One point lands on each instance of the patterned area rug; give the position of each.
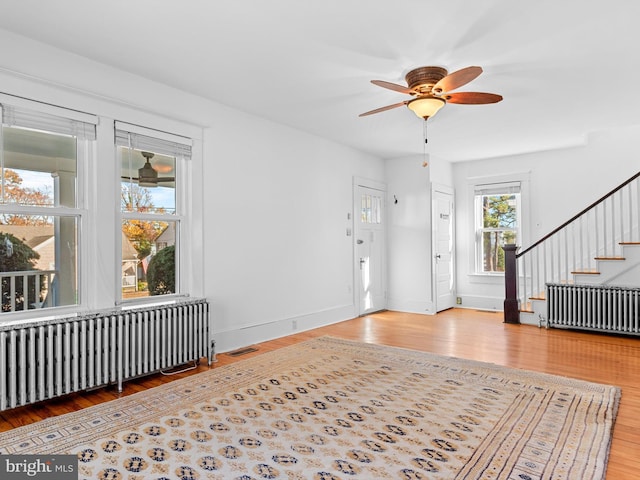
(332, 409)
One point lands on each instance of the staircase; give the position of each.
(597, 247)
(623, 271)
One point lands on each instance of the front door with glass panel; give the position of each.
(370, 249)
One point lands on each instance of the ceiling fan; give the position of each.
(147, 175)
(431, 87)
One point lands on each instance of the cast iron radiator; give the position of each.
(594, 307)
(44, 359)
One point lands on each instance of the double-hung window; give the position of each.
(497, 219)
(44, 151)
(151, 208)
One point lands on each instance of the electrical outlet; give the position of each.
(294, 324)
(459, 300)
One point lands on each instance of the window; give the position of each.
(497, 220)
(41, 205)
(371, 208)
(150, 165)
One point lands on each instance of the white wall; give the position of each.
(270, 203)
(561, 184)
(409, 231)
(408, 235)
(276, 215)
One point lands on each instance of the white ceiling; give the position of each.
(564, 67)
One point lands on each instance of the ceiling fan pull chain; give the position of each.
(424, 145)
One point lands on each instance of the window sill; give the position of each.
(488, 278)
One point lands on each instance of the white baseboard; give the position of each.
(233, 339)
(411, 306)
(493, 304)
(525, 320)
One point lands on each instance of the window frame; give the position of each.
(476, 183)
(34, 115)
(481, 230)
(146, 137)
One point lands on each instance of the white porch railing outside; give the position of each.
(41, 279)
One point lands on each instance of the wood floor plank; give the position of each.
(476, 335)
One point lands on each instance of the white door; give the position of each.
(370, 251)
(443, 248)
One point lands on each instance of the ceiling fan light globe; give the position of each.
(425, 107)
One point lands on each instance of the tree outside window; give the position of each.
(148, 221)
(497, 219)
(150, 210)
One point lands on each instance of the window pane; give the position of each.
(38, 262)
(148, 258)
(492, 251)
(35, 165)
(365, 208)
(148, 182)
(371, 209)
(500, 211)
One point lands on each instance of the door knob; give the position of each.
(359, 242)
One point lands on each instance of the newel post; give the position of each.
(511, 307)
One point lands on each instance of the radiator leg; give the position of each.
(212, 353)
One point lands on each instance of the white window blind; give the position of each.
(13, 116)
(163, 143)
(504, 188)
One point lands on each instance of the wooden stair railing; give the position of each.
(596, 233)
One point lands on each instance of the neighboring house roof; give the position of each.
(31, 235)
(35, 242)
(128, 251)
(35, 236)
(168, 235)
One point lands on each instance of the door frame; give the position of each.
(447, 190)
(374, 185)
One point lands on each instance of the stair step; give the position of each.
(629, 243)
(526, 308)
(586, 272)
(611, 258)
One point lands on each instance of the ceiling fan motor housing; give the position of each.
(424, 78)
(147, 173)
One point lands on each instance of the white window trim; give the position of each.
(99, 193)
(34, 111)
(179, 217)
(524, 220)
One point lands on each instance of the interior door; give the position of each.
(370, 257)
(442, 199)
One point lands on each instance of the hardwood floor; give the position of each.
(469, 334)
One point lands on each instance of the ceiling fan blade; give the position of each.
(456, 79)
(382, 109)
(150, 180)
(472, 98)
(392, 86)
